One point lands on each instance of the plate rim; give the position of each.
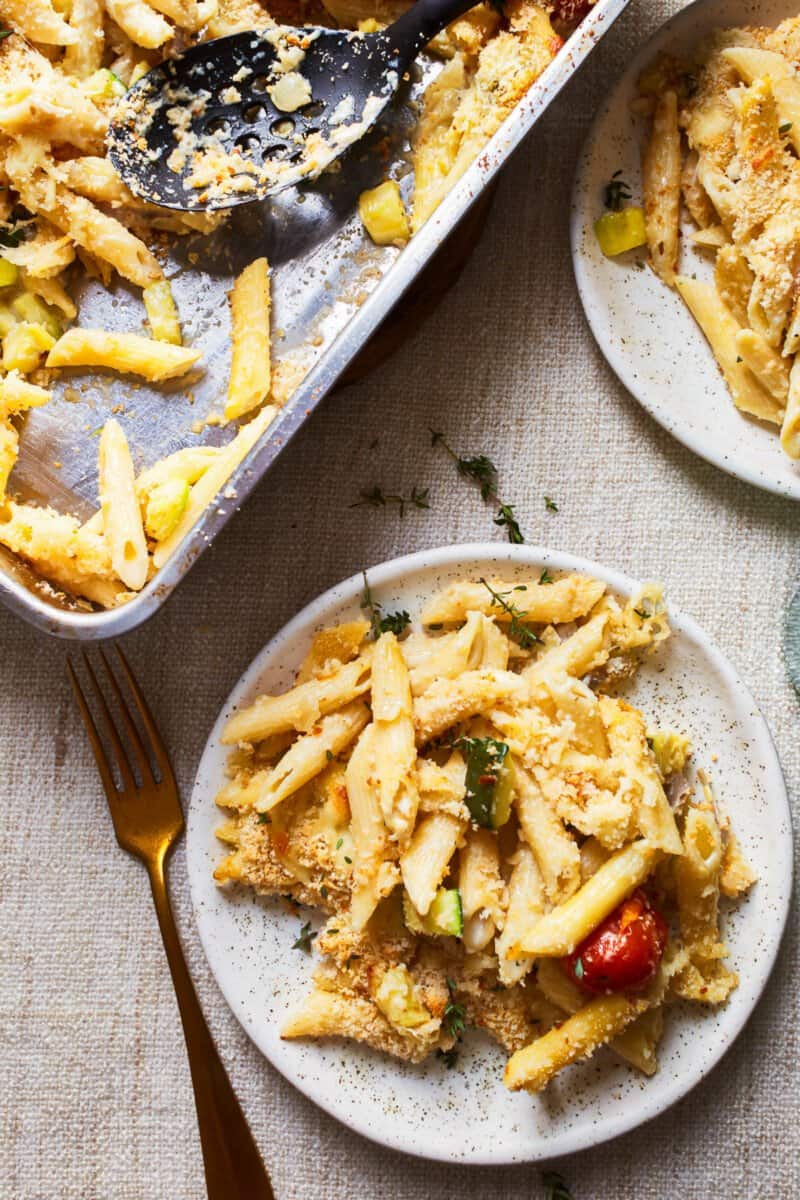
(622, 367)
(382, 574)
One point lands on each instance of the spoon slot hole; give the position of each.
(259, 85)
(283, 127)
(249, 144)
(254, 112)
(217, 125)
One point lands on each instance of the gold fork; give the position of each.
(148, 821)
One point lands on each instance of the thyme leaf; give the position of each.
(380, 622)
(305, 939)
(480, 469)
(518, 631)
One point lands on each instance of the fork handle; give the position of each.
(233, 1166)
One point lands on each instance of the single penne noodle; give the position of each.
(526, 906)
(627, 736)
(583, 651)
(17, 395)
(574, 700)
(661, 180)
(483, 898)
(721, 329)
(128, 352)
(250, 375)
(790, 429)
(300, 707)
(394, 745)
(695, 195)
(734, 279)
(187, 465)
(85, 55)
(592, 1026)
(425, 861)
(332, 1014)
(555, 850)
(38, 20)
(143, 25)
(561, 930)
(769, 368)
(122, 518)
(636, 1044)
(697, 874)
(9, 450)
(566, 599)
(448, 702)
(374, 876)
(213, 481)
(311, 753)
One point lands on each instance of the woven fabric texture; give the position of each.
(97, 1101)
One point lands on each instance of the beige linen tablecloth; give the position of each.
(97, 1102)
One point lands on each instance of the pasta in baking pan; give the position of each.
(494, 835)
(65, 213)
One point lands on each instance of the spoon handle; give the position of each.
(423, 21)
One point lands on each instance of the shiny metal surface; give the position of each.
(331, 289)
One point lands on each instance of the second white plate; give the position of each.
(642, 327)
(466, 1115)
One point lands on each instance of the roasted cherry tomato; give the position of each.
(622, 954)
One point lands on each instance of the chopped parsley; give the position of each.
(616, 191)
(380, 622)
(305, 939)
(518, 631)
(481, 470)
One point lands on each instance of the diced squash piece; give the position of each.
(23, 347)
(165, 507)
(617, 232)
(383, 215)
(162, 313)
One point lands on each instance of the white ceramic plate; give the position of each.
(642, 327)
(466, 1115)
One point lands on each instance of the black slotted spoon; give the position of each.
(203, 130)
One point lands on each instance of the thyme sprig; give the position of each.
(381, 622)
(555, 1186)
(455, 1015)
(481, 470)
(518, 631)
(376, 498)
(616, 191)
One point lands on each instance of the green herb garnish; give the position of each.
(642, 614)
(489, 781)
(263, 819)
(380, 622)
(518, 631)
(616, 191)
(455, 1015)
(481, 470)
(555, 1186)
(449, 1057)
(377, 498)
(784, 129)
(305, 939)
(550, 505)
(546, 577)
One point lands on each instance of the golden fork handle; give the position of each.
(233, 1166)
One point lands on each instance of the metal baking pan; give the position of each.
(331, 290)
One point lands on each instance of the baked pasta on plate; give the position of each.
(487, 813)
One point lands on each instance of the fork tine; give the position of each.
(128, 782)
(142, 759)
(93, 735)
(156, 742)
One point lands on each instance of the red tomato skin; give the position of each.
(623, 953)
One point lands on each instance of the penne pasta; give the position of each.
(661, 178)
(123, 352)
(122, 519)
(250, 365)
